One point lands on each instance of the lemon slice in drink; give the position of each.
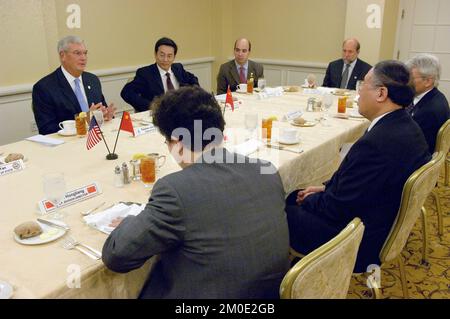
(82, 115)
(138, 156)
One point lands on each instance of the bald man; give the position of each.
(238, 70)
(345, 72)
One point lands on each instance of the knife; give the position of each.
(47, 222)
(282, 148)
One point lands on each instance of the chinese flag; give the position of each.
(126, 124)
(229, 99)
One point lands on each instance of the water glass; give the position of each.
(54, 187)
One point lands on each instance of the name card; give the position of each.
(144, 130)
(72, 197)
(292, 115)
(11, 167)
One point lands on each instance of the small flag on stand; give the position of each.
(94, 134)
(126, 124)
(229, 99)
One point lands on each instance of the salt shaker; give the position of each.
(125, 173)
(118, 178)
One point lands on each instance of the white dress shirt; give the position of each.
(71, 79)
(174, 80)
(245, 66)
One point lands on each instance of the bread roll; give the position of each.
(13, 157)
(28, 230)
(299, 120)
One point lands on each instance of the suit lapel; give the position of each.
(88, 89)
(234, 72)
(155, 77)
(66, 89)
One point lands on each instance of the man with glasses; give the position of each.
(369, 181)
(68, 90)
(240, 69)
(218, 225)
(158, 78)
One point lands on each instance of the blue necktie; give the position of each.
(80, 97)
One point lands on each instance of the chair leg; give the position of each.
(435, 194)
(401, 267)
(425, 236)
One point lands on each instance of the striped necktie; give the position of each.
(345, 77)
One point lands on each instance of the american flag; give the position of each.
(94, 134)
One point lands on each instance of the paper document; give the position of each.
(45, 140)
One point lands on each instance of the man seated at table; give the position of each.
(430, 107)
(218, 224)
(156, 79)
(345, 72)
(240, 69)
(369, 181)
(68, 90)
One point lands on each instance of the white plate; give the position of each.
(356, 114)
(6, 290)
(49, 234)
(64, 133)
(341, 115)
(306, 124)
(281, 141)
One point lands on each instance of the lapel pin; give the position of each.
(89, 87)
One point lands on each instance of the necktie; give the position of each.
(242, 78)
(410, 108)
(170, 86)
(80, 97)
(345, 77)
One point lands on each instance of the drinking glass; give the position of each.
(98, 114)
(55, 189)
(327, 102)
(261, 84)
(251, 123)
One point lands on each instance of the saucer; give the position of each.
(65, 133)
(241, 91)
(341, 115)
(6, 290)
(288, 142)
(306, 124)
(355, 114)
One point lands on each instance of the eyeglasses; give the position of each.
(79, 53)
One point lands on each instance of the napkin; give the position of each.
(45, 140)
(102, 219)
(271, 92)
(247, 147)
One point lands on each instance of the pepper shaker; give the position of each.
(125, 173)
(118, 179)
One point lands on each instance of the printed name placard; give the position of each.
(11, 167)
(292, 115)
(144, 130)
(72, 197)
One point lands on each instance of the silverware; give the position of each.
(69, 245)
(75, 243)
(93, 209)
(47, 222)
(283, 148)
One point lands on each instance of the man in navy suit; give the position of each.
(158, 78)
(68, 90)
(370, 180)
(345, 72)
(430, 107)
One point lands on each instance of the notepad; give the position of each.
(45, 140)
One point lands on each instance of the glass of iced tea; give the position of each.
(342, 104)
(149, 166)
(80, 123)
(266, 129)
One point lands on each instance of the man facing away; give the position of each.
(345, 72)
(68, 90)
(218, 224)
(370, 180)
(156, 79)
(430, 107)
(240, 69)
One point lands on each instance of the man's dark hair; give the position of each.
(168, 42)
(395, 76)
(180, 108)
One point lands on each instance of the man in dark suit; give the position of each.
(430, 107)
(218, 224)
(68, 90)
(345, 72)
(158, 78)
(370, 180)
(240, 69)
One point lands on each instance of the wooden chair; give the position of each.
(326, 271)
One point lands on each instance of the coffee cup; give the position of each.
(289, 135)
(68, 126)
(242, 87)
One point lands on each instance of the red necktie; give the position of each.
(170, 86)
(242, 75)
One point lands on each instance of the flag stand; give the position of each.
(112, 156)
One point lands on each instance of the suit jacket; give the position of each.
(220, 230)
(54, 100)
(228, 75)
(147, 85)
(431, 113)
(333, 76)
(370, 180)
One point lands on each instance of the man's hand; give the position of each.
(308, 191)
(116, 222)
(109, 112)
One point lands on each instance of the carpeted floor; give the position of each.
(424, 281)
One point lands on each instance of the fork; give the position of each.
(71, 243)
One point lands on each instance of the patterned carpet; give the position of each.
(424, 281)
